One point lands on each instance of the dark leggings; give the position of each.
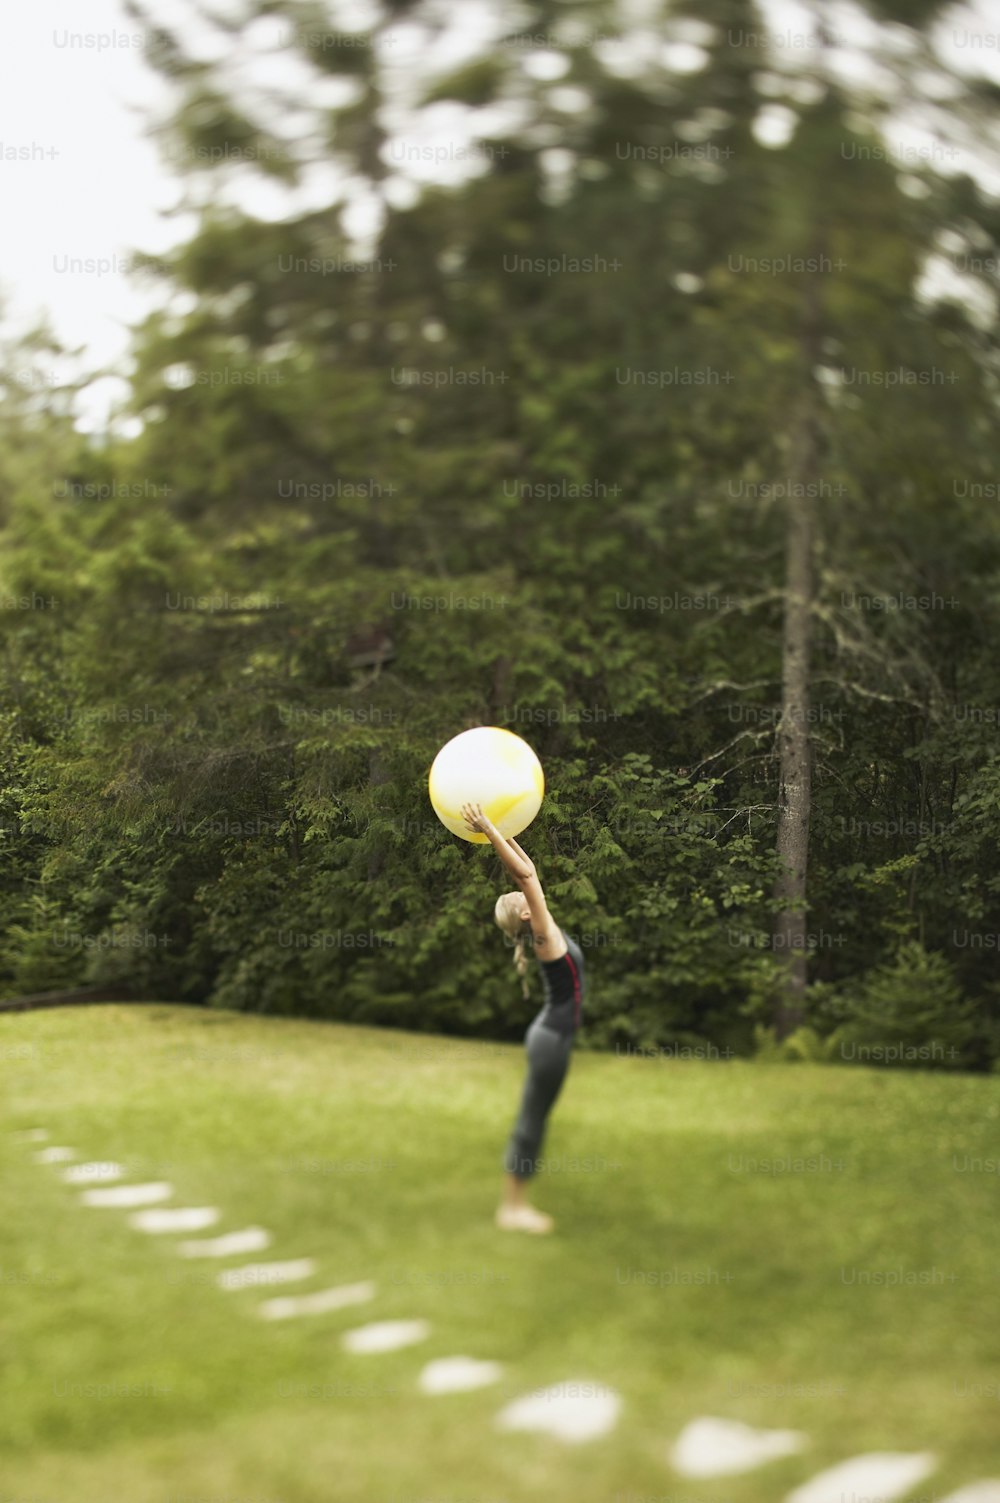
(548, 1060)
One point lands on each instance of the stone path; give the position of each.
(92, 1174)
(128, 1195)
(319, 1303)
(576, 1411)
(253, 1275)
(386, 1336)
(458, 1375)
(175, 1219)
(719, 1447)
(883, 1475)
(251, 1239)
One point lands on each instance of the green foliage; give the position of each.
(910, 1012)
(308, 570)
(802, 1046)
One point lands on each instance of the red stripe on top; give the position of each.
(576, 991)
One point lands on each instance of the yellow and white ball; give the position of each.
(491, 767)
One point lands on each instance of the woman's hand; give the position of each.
(476, 819)
(520, 866)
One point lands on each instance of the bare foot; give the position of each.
(523, 1219)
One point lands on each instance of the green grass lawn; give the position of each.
(679, 1275)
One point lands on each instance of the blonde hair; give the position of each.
(507, 914)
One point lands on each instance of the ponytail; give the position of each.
(507, 914)
(521, 965)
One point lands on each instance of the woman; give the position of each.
(524, 917)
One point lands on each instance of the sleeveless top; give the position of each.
(563, 982)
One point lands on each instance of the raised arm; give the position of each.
(520, 866)
(548, 939)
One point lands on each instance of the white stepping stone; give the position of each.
(976, 1492)
(386, 1336)
(251, 1239)
(879, 1474)
(55, 1155)
(91, 1174)
(181, 1219)
(128, 1195)
(458, 1375)
(319, 1303)
(32, 1135)
(253, 1274)
(574, 1411)
(710, 1447)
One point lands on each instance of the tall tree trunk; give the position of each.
(794, 739)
